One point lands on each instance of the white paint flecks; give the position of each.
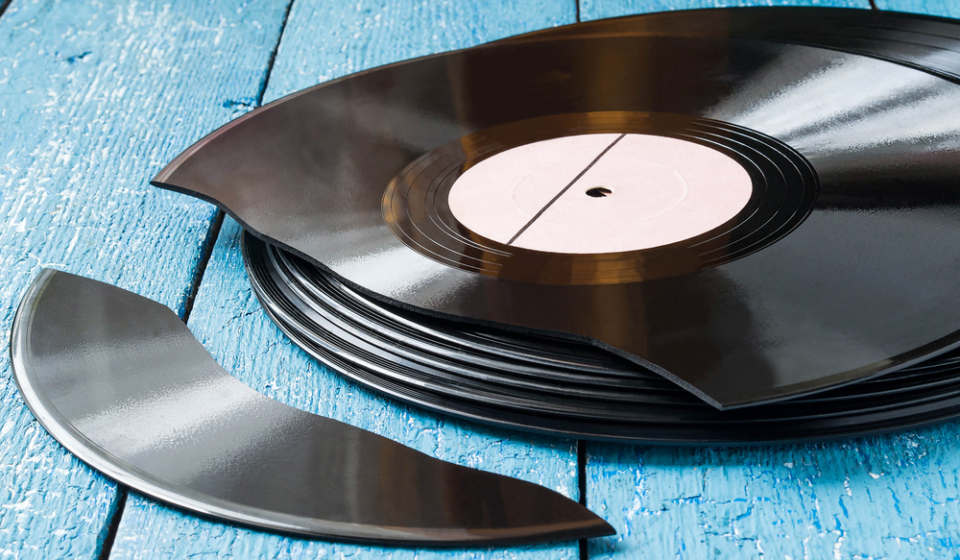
(597, 9)
(945, 8)
(99, 123)
(882, 497)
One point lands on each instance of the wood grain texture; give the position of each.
(229, 321)
(597, 9)
(883, 497)
(94, 97)
(326, 40)
(944, 8)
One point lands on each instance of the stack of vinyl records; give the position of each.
(551, 385)
(719, 226)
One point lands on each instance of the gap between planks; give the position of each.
(582, 487)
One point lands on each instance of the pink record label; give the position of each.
(600, 193)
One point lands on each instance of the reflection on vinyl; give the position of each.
(707, 207)
(560, 387)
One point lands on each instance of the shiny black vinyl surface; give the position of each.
(416, 204)
(121, 382)
(859, 278)
(558, 386)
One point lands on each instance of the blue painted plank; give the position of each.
(94, 97)
(882, 497)
(324, 40)
(944, 8)
(597, 9)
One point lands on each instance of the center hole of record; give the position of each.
(666, 190)
(598, 192)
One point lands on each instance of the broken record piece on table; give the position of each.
(121, 382)
(832, 272)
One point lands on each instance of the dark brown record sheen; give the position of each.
(843, 266)
(121, 382)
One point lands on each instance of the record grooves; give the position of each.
(417, 210)
(556, 386)
(739, 225)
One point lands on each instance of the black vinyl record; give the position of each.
(560, 387)
(837, 130)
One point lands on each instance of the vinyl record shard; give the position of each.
(840, 265)
(120, 381)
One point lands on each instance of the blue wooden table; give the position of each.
(95, 96)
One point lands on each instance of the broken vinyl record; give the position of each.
(557, 386)
(748, 206)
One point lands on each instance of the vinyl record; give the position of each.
(754, 204)
(556, 386)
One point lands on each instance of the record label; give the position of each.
(599, 197)
(600, 193)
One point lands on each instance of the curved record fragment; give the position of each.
(122, 383)
(859, 282)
